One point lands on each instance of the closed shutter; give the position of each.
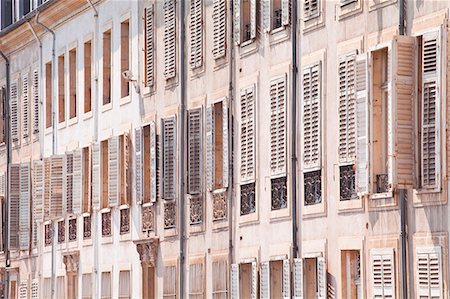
(247, 138)
(362, 124)
(96, 175)
(68, 183)
(138, 164)
(56, 185)
(25, 108)
(285, 12)
(194, 150)
(225, 145)
(153, 162)
(429, 272)
(403, 87)
(431, 109)
(113, 171)
(149, 46)
(124, 284)
(311, 9)
(124, 168)
(286, 286)
(383, 273)
(47, 187)
(196, 281)
(25, 204)
(312, 117)
(209, 148)
(219, 28)
(2, 184)
(169, 38)
(196, 27)
(23, 289)
(14, 205)
(254, 281)
(278, 125)
(35, 94)
(77, 182)
(267, 15)
(264, 281)
(38, 198)
(169, 156)
(252, 19)
(14, 102)
(235, 292)
(322, 291)
(35, 288)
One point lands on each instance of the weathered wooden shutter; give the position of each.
(285, 12)
(194, 150)
(113, 171)
(38, 198)
(362, 124)
(14, 108)
(429, 272)
(312, 116)
(170, 50)
(77, 181)
(247, 138)
(430, 111)
(138, 164)
(25, 204)
(264, 281)
(219, 28)
(25, 108)
(169, 156)
(252, 19)
(209, 148)
(237, 21)
(225, 145)
(149, 45)
(383, 273)
(254, 281)
(286, 284)
(35, 288)
(278, 125)
(47, 187)
(267, 15)
(322, 290)
(68, 183)
(14, 205)
(35, 95)
(153, 163)
(311, 9)
(235, 292)
(196, 27)
(56, 185)
(96, 175)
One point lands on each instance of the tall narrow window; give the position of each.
(124, 56)
(25, 203)
(106, 285)
(311, 9)
(48, 95)
(36, 103)
(61, 89)
(149, 46)
(275, 279)
(2, 114)
(125, 284)
(170, 282)
(170, 39)
(86, 292)
(245, 20)
(25, 108)
(73, 83)
(169, 170)
(196, 279)
(429, 272)
(219, 28)
(104, 166)
(247, 276)
(195, 121)
(351, 274)
(14, 206)
(196, 33)
(86, 180)
(220, 279)
(382, 273)
(107, 67)
(60, 287)
(315, 278)
(14, 112)
(276, 14)
(87, 76)
(146, 163)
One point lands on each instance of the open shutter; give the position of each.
(47, 187)
(252, 19)
(24, 211)
(298, 278)
(267, 15)
(247, 134)
(264, 281)
(431, 111)
(113, 171)
(286, 286)
(254, 282)
(362, 124)
(35, 94)
(138, 164)
(125, 172)
(25, 108)
(278, 125)
(14, 111)
(14, 205)
(68, 183)
(237, 21)
(429, 272)
(225, 145)
(56, 185)
(403, 89)
(285, 12)
(196, 27)
(383, 273)
(235, 292)
(77, 187)
(170, 51)
(96, 175)
(194, 150)
(38, 198)
(209, 148)
(153, 162)
(322, 291)
(149, 46)
(219, 28)
(170, 151)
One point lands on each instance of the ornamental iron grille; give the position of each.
(382, 181)
(313, 187)
(124, 221)
(87, 227)
(169, 214)
(48, 234)
(61, 231)
(248, 200)
(279, 193)
(347, 182)
(196, 210)
(73, 229)
(106, 224)
(148, 219)
(219, 206)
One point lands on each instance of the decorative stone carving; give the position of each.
(248, 200)
(87, 227)
(124, 221)
(219, 206)
(71, 260)
(196, 209)
(148, 219)
(313, 187)
(48, 235)
(347, 183)
(148, 251)
(61, 231)
(106, 224)
(170, 214)
(279, 193)
(73, 229)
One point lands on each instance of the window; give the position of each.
(106, 224)
(275, 279)
(73, 229)
(311, 9)
(119, 191)
(104, 166)
(170, 39)
(48, 234)
(47, 289)
(107, 67)
(429, 273)
(315, 278)
(276, 14)
(149, 46)
(14, 112)
(61, 231)
(73, 83)
(219, 279)
(383, 273)
(2, 116)
(351, 274)
(106, 285)
(170, 282)
(86, 180)
(347, 188)
(38, 198)
(60, 287)
(72, 285)
(196, 30)
(36, 102)
(244, 279)
(86, 292)
(61, 90)
(146, 161)
(195, 120)
(245, 20)
(196, 279)
(14, 206)
(68, 182)
(124, 56)
(23, 289)
(55, 203)
(48, 95)
(124, 284)
(25, 108)
(86, 227)
(124, 221)
(34, 288)
(169, 171)
(87, 76)
(24, 206)
(219, 28)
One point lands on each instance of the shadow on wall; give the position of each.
(332, 290)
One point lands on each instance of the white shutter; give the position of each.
(35, 288)
(153, 162)
(96, 175)
(194, 150)
(311, 9)
(35, 95)
(430, 111)
(278, 142)
(196, 27)
(25, 108)
(322, 278)
(362, 124)
(237, 21)
(68, 183)
(267, 15)
(264, 281)
(254, 281)
(77, 182)
(235, 292)
(286, 286)
(285, 12)
(113, 171)
(138, 164)
(169, 156)
(210, 148)
(24, 210)
(38, 198)
(429, 272)
(149, 46)
(312, 116)
(383, 273)
(252, 19)
(23, 289)
(298, 278)
(14, 111)
(56, 185)
(219, 28)
(247, 134)
(14, 205)
(124, 169)
(2, 184)
(47, 187)
(225, 145)
(170, 50)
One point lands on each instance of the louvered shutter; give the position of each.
(235, 292)
(403, 89)
(138, 164)
(278, 125)
(77, 182)
(169, 156)
(429, 272)
(25, 108)
(38, 198)
(2, 184)
(194, 150)
(24, 210)
(47, 187)
(153, 162)
(3, 113)
(237, 21)
(247, 138)
(285, 12)
(14, 111)
(321, 278)
(254, 281)
(264, 281)
(383, 273)
(169, 38)
(149, 45)
(113, 171)
(362, 124)
(196, 27)
(23, 289)
(225, 145)
(311, 9)
(96, 176)
(267, 15)
(124, 167)
(219, 28)
(35, 94)
(56, 185)
(68, 183)
(312, 116)
(252, 19)
(14, 205)
(430, 111)
(286, 286)
(209, 148)
(35, 288)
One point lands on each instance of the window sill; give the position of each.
(349, 10)
(280, 214)
(313, 23)
(72, 121)
(248, 48)
(106, 107)
(197, 229)
(220, 63)
(380, 4)
(125, 100)
(62, 125)
(351, 205)
(428, 197)
(107, 240)
(125, 237)
(279, 35)
(48, 131)
(87, 242)
(249, 219)
(383, 195)
(197, 72)
(87, 115)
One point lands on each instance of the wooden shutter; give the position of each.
(237, 21)
(14, 205)
(96, 175)
(430, 111)
(285, 12)
(149, 46)
(219, 28)
(209, 148)
(125, 284)
(312, 116)
(311, 9)
(35, 288)
(252, 19)
(153, 162)
(429, 273)
(383, 273)
(264, 281)
(35, 95)
(225, 145)
(2, 184)
(169, 156)
(14, 108)
(38, 198)
(170, 51)
(194, 150)
(322, 290)
(196, 279)
(138, 164)
(77, 182)
(113, 171)
(362, 124)
(124, 167)
(25, 108)
(56, 185)
(403, 89)
(247, 132)
(286, 285)
(254, 281)
(267, 15)
(23, 289)
(235, 292)
(278, 124)
(196, 27)
(68, 183)
(47, 187)
(25, 204)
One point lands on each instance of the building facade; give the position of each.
(137, 160)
